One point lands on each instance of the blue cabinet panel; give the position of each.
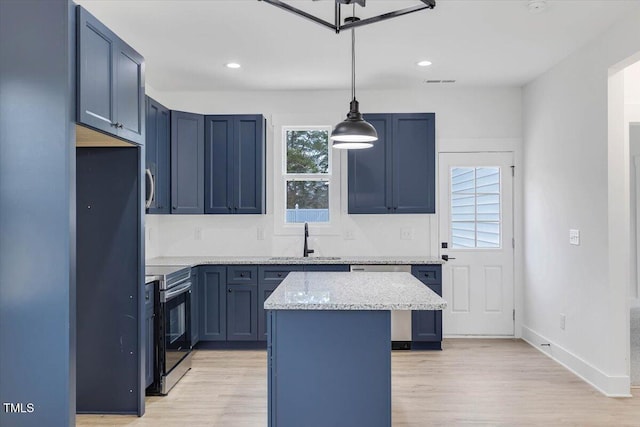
(109, 307)
(242, 321)
(219, 160)
(158, 122)
(414, 164)
(249, 165)
(235, 164)
(96, 78)
(426, 325)
(329, 368)
(149, 332)
(187, 165)
(212, 303)
(369, 186)
(396, 175)
(129, 93)
(110, 81)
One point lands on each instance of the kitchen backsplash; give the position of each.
(219, 235)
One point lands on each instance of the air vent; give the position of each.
(439, 81)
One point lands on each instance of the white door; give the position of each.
(476, 228)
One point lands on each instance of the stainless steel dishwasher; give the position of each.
(400, 319)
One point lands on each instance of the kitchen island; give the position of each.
(329, 346)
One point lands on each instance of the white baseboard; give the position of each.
(611, 386)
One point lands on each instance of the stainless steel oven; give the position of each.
(172, 327)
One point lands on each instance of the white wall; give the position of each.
(632, 122)
(487, 118)
(575, 178)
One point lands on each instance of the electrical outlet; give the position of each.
(197, 233)
(406, 233)
(349, 235)
(260, 233)
(563, 321)
(574, 237)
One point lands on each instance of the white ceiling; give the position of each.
(186, 43)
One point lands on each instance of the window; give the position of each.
(307, 174)
(475, 207)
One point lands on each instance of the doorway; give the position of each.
(476, 233)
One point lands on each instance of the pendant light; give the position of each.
(354, 132)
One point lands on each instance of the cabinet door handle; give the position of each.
(279, 274)
(241, 274)
(229, 290)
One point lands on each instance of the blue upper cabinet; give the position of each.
(187, 163)
(397, 175)
(158, 123)
(110, 81)
(369, 183)
(235, 164)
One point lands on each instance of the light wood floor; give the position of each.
(471, 382)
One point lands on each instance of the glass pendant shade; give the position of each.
(354, 132)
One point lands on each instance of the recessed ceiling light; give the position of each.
(537, 6)
(424, 63)
(233, 65)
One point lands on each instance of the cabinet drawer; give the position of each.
(275, 273)
(428, 274)
(242, 275)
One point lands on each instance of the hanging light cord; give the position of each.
(353, 56)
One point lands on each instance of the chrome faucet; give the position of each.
(306, 251)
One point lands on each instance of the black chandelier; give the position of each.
(337, 24)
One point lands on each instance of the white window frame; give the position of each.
(332, 177)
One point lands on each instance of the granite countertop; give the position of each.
(289, 260)
(353, 291)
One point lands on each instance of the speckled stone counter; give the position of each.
(293, 260)
(353, 291)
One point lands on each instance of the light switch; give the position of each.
(260, 233)
(574, 237)
(349, 235)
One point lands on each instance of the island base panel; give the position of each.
(329, 368)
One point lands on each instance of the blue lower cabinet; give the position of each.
(150, 353)
(242, 310)
(426, 325)
(212, 303)
(195, 324)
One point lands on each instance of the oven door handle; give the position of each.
(174, 292)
